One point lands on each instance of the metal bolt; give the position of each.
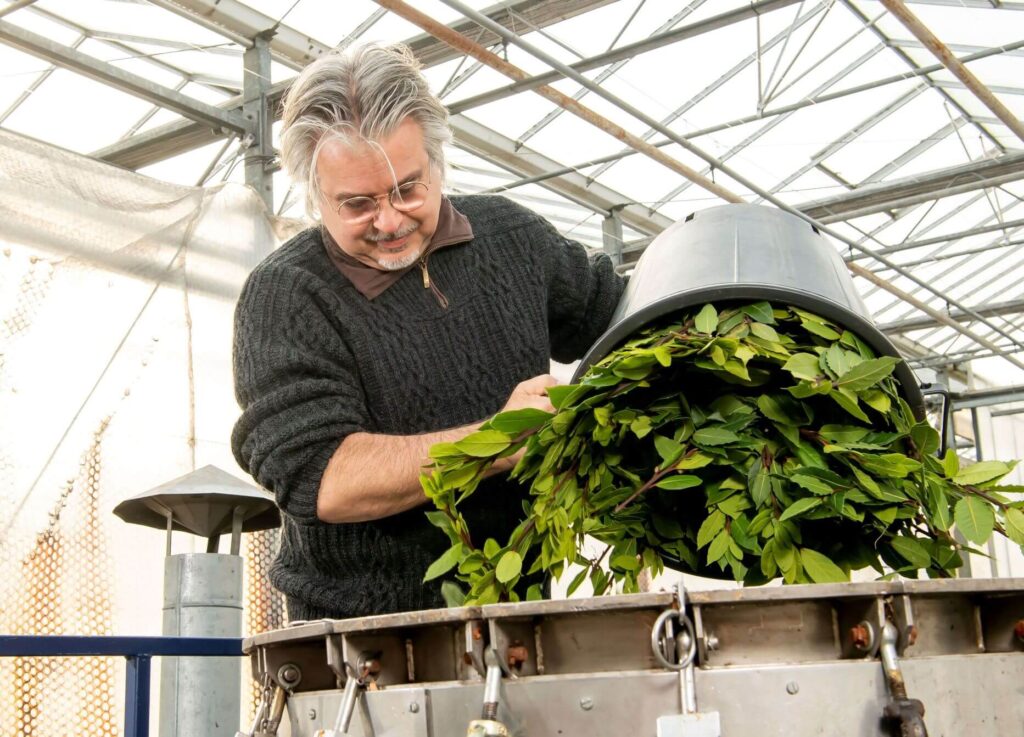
(860, 636)
(312, 714)
(792, 687)
(711, 642)
(911, 635)
(517, 655)
(1019, 630)
(414, 707)
(586, 703)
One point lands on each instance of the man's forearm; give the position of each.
(373, 476)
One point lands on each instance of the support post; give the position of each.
(611, 230)
(256, 112)
(136, 696)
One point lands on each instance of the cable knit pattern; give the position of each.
(315, 361)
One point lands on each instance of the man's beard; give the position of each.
(397, 263)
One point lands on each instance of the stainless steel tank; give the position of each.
(828, 659)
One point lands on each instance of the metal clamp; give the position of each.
(663, 633)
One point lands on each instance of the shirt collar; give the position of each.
(452, 228)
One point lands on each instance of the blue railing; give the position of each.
(137, 652)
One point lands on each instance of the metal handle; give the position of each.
(928, 390)
(662, 635)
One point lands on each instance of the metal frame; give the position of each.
(138, 653)
(249, 116)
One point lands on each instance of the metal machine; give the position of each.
(903, 658)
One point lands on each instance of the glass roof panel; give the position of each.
(717, 88)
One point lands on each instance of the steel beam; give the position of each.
(913, 65)
(461, 42)
(932, 185)
(1013, 307)
(625, 52)
(945, 56)
(988, 397)
(256, 111)
(239, 22)
(501, 151)
(242, 23)
(89, 66)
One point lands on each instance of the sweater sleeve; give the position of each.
(297, 384)
(583, 292)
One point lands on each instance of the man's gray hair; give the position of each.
(359, 95)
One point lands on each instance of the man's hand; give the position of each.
(532, 393)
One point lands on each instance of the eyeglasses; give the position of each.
(404, 198)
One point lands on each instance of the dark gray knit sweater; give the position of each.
(315, 360)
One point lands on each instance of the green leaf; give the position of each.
(838, 360)
(577, 581)
(718, 547)
(1015, 525)
(811, 483)
(711, 526)
(820, 567)
(765, 332)
(491, 548)
(510, 565)
(803, 366)
(483, 443)
(877, 400)
(820, 329)
(760, 311)
(690, 462)
(951, 463)
(843, 433)
(674, 483)
(663, 356)
(560, 394)
(925, 438)
(867, 373)
(800, 506)
(445, 563)
(849, 403)
(982, 472)
(444, 451)
(974, 518)
(516, 421)
(714, 435)
(668, 449)
(452, 594)
(706, 320)
(912, 550)
(760, 486)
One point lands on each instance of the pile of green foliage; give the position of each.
(751, 443)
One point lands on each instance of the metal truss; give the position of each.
(993, 328)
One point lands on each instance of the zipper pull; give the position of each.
(426, 274)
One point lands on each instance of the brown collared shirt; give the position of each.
(452, 228)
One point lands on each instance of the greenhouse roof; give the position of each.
(894, 126)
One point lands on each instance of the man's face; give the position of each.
(391, 240)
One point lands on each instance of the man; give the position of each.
(405, 319)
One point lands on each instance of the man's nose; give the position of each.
(388, 219)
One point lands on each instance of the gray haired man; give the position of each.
(403, 319)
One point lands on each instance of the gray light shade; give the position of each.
(203, 503)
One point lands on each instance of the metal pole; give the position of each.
(611, 229)
(255, 83)
(944, 55)
(136, 696)
(464, 44)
